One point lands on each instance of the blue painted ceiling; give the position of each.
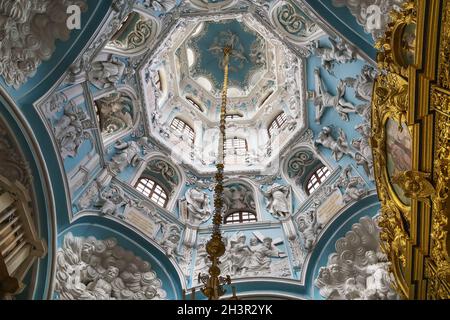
(209, 56)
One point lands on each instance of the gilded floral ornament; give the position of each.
(397, 48)
(414, 184)
(392, 93)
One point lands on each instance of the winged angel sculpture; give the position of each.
(357, 270)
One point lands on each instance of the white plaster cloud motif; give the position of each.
(373, 15)
(91, 269)
(358, 270)
(29, 30)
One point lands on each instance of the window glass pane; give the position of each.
(235, 150)
(184, 129)
(152, 190)
(316, 179)
(277, 123)
(240, 217)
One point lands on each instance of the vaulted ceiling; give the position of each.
(100, 111)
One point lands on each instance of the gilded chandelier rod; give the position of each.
(213, 281)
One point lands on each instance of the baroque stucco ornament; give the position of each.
(279, 200)
(91, 269)
(260, 256)
(373, 15)
(198, 209)
(324, 99)
(72, 129)
(357, 270)
(338, 147)
(29, 30)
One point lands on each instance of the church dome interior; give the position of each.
(134, 132)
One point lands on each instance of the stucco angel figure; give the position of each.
(105, 74)
(102, 288)
(198, 208)
(127, 153)
(70, 130)
(354, 187)
(170, 240)
(279, 200)
(323, 99)
(363, 84)
(340, 52)
(309, 229)
(328, 285)
(240, 254)
(378, 278)
(363, 156)
(111, 200)
(338, 147)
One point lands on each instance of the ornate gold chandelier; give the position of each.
(213, 282)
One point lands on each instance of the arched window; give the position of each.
(153, 190)
(235, 150)
(232, 116)
(266, 97)
(277, 123)
(184, 129)
(240, 217)
(158, 82)
(316, 179)
(194, 103)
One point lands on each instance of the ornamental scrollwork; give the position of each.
(29, 30)
(397, 47)
(293, 22)
(414, 184)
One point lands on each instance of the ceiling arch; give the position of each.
(94, 181)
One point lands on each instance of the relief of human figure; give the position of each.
(70, 131)
(324, 99)
(198, 209)
(309, 229)
(378, 278)
(339, 53)
(363, 83)
(127, 153)
(101, 289)
(240, 254)
(279, 200)
(105, 74)
(338, 147)
(110, 200)
(262, 254)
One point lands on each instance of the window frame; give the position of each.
(158, 81)
(194, 103)
(238, 152)
(277, 123)
(153, 191)
(190, 131)
(319, 177)
(241, 219)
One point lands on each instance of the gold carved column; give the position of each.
(411, 147)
